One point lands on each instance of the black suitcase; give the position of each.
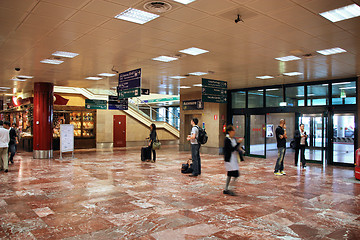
(145, 153)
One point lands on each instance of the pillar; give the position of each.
(43, 120)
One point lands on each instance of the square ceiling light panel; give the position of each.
(106, 74)
(65, 54)
(288, 58)
(194, 51)
(265, 77)
(93, 78)
(342, 13)
(197, 85)
(331, 51)
(136, 16)
(52, 61)
(184, 1)
(198, 73)
(164, 59)
(184, 87)
(291, 74)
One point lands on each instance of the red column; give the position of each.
(43, 120)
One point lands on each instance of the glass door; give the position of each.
(343, 138)
(257, 135)
(315, 128)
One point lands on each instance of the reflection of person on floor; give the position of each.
(281, 136)
(300, 144)
(230, 153)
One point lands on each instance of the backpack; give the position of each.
(202, 137)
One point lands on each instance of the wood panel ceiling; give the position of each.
(31, 30)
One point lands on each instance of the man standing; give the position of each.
(4, 143)
(13, 141)
(195, 148)
(300, 144)
(281, 136)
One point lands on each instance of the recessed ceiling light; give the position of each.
(164, 59)
(194, 51)
(197, 85)
(342, 13)
(300, 95)
(288, 58)
(51, 61)
(272, 89)
(341, 83)
(184, 1)
(185, 87)
(5, 88)
(177, 77)
(292, 74)
(136, 16)
(65, 54)
(265, 77)
(24, 76)
(93, 78)
(9, 94)
(17, 79)
(347, 88)
(107, 74)
(331, 51)
(198, 73)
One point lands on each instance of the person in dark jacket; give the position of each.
(152, 139)
(281, 136)
(300, 144)
(230, 154)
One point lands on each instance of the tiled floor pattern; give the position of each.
(112, 195)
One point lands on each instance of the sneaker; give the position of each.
(282, 173)
(229, 192)
(277, 174)
(6, 170)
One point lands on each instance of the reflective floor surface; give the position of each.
(113, 195)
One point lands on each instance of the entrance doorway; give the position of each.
(315, 128)
(343, 138)
(119, 131)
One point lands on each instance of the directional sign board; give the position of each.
(214, 91)
(95, 104)
(192, 105)
(117, 104)
(129, 84)
(145, 91)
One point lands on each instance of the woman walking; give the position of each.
(231, 162)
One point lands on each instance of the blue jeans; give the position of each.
(12, 150)
(195, 155)
(280, 160)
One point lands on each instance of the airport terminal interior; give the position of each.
(82, 81)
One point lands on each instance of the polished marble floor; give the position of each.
(113, 195)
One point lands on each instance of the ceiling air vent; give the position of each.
(157, 6)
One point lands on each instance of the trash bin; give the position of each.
(357, 164)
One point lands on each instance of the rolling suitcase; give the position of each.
(145, 153)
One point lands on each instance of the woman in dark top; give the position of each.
(152, 139)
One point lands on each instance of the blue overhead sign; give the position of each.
(129, 83)
(117, 104)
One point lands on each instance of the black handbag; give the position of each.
(186, 167)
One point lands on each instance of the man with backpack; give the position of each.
(195, 148)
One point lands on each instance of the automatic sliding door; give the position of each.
(257, 135)
(343, 138)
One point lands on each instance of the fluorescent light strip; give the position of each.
(184, 1)
(5, 88)
(136, 16)
(24, 76)
(106, 74)
(184, 87)
(292, 74)
(177, 77)
(65, 54)
(347, 88)
(51, 61)
(342, 13)
(198, 73)
(288, 58)
(194, 51)
(164, 59)
(331, 51)
(310, 94)
(341, 83)
(19, 80)
(197, 85)
(264, 77)
(93, 78)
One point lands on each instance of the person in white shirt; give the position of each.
(195, 148)
(4, 144)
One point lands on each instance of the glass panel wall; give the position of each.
(295, 96)
(274, 96)
(239, 99)
(256, 98)
(343, 93)
(318, 95)
(257, 134)
(344, 133)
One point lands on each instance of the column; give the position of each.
(43, 120)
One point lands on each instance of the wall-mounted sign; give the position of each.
(269, 130)
(192, 105)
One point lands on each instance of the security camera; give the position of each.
(17, 69)
(238, 19)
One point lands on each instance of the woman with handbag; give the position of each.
(152, 140)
